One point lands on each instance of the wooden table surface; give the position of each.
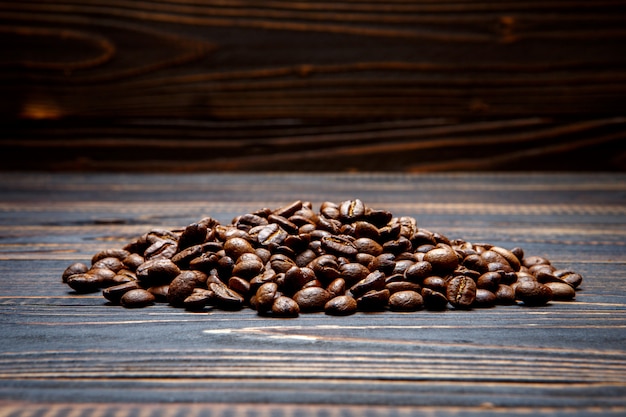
(63, 354)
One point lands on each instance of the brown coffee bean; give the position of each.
(272, 234)
(337, 287)
(434, 300)
(160, 292)
(535, 260)
(133, 261)
(572, 278)
(461, 292)
(342, 305)
(353, 273)
(312, 299)
(161, 249)
(239, 285)
(351, 210)
(489, 281)
(181, 287)
(325, 267)
(73, 269)
(533, 293)
(418, 271)
(484, 298)
(198, 299)
(289, 209)
(339, 246)
(193, 234)
(114, 294)
(265, 296)
(114, 264)
(385, 262)
(373, 281)
(398, 286)
(119, 254)
(510, 257)
(157, 271)
(375, 300)
(225, 298)
(236, 247)
(443, 259)
(505, 295)
(406, 301)
(137, 298)
(561, 291)
(247, 266)
(368, 246)
(285, 307)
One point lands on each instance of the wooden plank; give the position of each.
(67, 354)
(231, 85)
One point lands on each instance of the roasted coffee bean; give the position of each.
(572, 278)
(312, 299)
(225, 298)
(337, 287)
(510, 257)
(73, 269)
(272, 234)
(342, 305)
(281, 262)
(285, 307)
(251, 220)
(137, 298)
(561, 291)
(160, 292)
(434, 300)
(375, 300)
(133, 261)
(475, 262)
(351, 210)
(443, 259)
(398, 246)
(325, 267)
(398, 286)
(161, 249)
(505, 295)
(114, 294)
(288, 209)
(205, 262)
(373, 281)
(157, 271)
(484, 298)
(193, 234)
(185, 256)
(378, 218)
(533, 293)
(265, 296)
(363, 229)
(368, 246)
(295, 278)
(330, 210)
(535, 260)
(339, 246)
(489, 281)
(119, 254)
(385, 262)
(248, 266)
(435, 283)
(461, 292)
(236, 247)
(198, 299)
(406, 301)
(181, 287)
(418, 271)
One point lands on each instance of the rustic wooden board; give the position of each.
(63, 354)
(413, 85)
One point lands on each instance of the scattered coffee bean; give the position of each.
(291, 260)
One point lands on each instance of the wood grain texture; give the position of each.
(65, 354)
(323, 86)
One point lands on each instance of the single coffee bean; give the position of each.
(193, 234)
(373, 281)
(337, 287)
(533, 293)
(265, 296)
(181, 287)
(75, 268)
(281, 262)
(489, 281)
(574, 279)
(137, 298)
(378, 218)
(133, 261)
(510, 257)
(239, 285)
(363, 229)
(505, 295)
(435, 283)
(353, 273)
(443, 259)
(325, 267)
(375, 300)
(406, 301)
(114, 264)
(484, 298)
(535, 260)
(225, 298)
(198, 299)
(351, 210)
(289, 209)
(272, 234)
(368, 246)
(249, 265)
(434, 300)
(561, 291)
(461, 292)
(114, 294)
(339, 246)
(475, 262)
(157, 271)
(236, 247)
(398, 246)
(342, 305)
(161, 249)
(418, 271)
(119, 254)
(285, 307)
(159, 292)
(398, 286)
(312, 299)
(385, 262)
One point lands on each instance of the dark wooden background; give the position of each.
(415, 85)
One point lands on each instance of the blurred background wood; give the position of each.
(306, 85)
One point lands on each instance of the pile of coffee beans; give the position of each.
(345, 258)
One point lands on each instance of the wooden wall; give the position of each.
(414, 85)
